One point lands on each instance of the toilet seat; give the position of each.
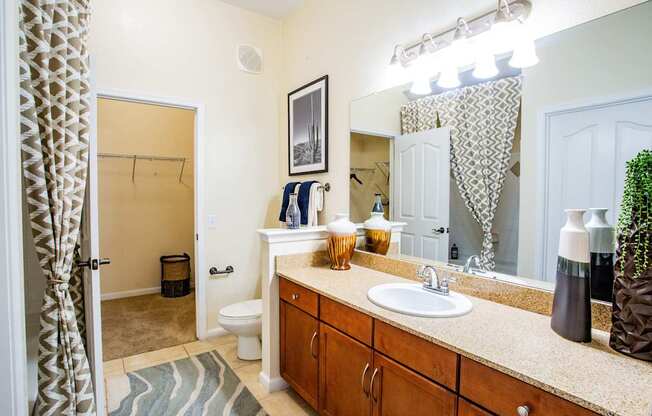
(247, 310)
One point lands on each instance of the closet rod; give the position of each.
(183, 161)
(142, 157)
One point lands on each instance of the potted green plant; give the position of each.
(631, 331)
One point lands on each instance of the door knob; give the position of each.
(440, 230)
(523, 410)
(93, 264)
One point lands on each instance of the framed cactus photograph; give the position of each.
(308, 128)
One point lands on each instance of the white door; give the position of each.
(587, 150)
(90, 251)
(421, 192)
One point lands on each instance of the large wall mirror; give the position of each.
(554, 136)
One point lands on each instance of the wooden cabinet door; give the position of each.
(465, 408)
(300, 352)
(344, 374)
(396, 391)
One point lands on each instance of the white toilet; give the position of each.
(244, 320)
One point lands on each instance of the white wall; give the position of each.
(187, 49)
(352, 42)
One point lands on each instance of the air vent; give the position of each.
(250, 59)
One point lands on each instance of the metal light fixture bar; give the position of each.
(517, 9)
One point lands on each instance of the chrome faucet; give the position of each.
(432, 282)
(473, 259)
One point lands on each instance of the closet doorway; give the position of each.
(147, 184)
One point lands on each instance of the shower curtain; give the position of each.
(483, 120)
(55, 111)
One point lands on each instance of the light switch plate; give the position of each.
(212, 221)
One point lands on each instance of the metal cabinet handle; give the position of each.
(371, 385)
(295, 296)
(364, 373)
(523, 410)
(312, 342)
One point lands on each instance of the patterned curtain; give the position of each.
(55, 111)
(482, 119)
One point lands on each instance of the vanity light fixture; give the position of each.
(396, 68)
(460, 49)
(470, 44)
(503, 29)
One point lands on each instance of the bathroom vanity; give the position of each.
(346, 356)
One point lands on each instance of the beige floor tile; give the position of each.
(114, 367)
(286, 403)
(230, 354)
(149, 359)
(249, 376)
(209, 344)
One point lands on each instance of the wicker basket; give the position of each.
(175, 275)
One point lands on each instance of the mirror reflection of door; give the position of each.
(421, 192)
(586, 152)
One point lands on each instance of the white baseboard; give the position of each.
(272, 384)
(130, 293)
(216, 332)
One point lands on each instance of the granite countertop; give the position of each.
(514, 341)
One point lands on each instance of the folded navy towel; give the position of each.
(304, 200)
(289, 188)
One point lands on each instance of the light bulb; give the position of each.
(503, 34)
(485, 66)
(460, 52)
(525, 54)
(395, 75)
(421, 86)
(449, 77)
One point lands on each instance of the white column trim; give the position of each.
(279, 242)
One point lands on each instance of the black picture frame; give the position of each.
(317, 141)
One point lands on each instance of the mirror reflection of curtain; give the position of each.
(483, 121)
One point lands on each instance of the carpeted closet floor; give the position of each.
(146, 323)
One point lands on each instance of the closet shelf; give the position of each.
(150, 158)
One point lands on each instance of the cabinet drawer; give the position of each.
(465, 408)
(503, 394)
(299, 296)
(351, 322)
(431, 360)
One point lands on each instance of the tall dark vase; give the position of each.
(631, 330)
(571, 306)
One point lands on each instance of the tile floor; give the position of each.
(281, 403)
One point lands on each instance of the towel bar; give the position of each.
(326, 187)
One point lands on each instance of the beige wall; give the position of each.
(154, 215)
(366, 150)
(169, 48)
(326, 37)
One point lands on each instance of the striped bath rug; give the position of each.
(203, 384)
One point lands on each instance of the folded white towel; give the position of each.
(315, 203)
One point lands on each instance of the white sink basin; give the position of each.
(412, 299)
